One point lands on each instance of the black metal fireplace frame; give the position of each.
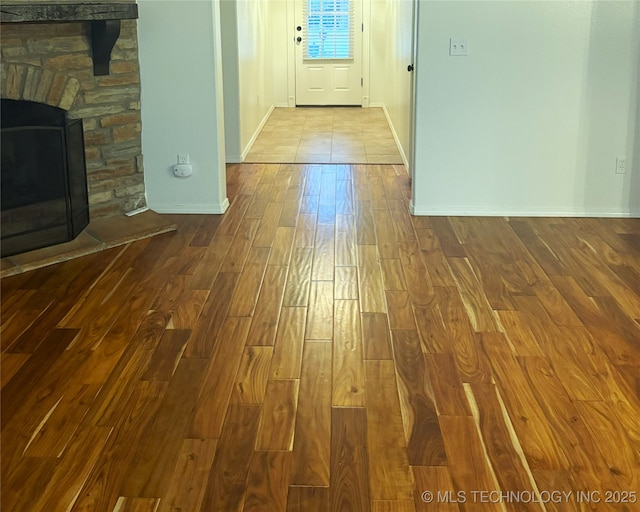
(27, 115)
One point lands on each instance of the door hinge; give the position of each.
(362, 82)
(363, 27)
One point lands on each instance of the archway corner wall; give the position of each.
(182, 104)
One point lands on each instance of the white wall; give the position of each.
(390, 54)
(531, 121)
(279, 30)
(255, 68)
(230, 80)
(609, 113)
(634, 135)
(182, 112)
(252, 67)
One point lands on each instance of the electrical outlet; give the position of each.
(183, 158)
(458, 47)
(621, 165)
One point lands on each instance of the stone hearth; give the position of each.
(101, 234)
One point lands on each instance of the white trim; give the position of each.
(221, 173)
(192, 208)
(234, 159)
(366, 54)
(137, 211)
(461, 211)
(254, 136)
(238, 159)
(395, 136)
(291, 53)
(413, 98)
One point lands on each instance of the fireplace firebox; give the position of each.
(44, 180)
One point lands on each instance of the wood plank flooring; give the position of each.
(317, 349)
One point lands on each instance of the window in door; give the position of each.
(329, 29)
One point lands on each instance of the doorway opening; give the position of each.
(260, 42)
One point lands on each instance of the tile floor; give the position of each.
(325, 135)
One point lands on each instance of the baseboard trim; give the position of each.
(461, 211)
(246, 150)
(192, 208)
(393, 132)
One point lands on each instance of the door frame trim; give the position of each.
(291, 53)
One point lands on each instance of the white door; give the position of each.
(328, 36)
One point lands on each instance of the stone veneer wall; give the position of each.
(51, 63)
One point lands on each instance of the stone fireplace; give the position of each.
(59, 58)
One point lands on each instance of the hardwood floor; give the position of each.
(318, 349)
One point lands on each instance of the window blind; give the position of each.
(329, 29)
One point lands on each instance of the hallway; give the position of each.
(342, 135)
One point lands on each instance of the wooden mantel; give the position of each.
(104, 19)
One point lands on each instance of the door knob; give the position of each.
(410, 68)
(298, 28)
(299, 39)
